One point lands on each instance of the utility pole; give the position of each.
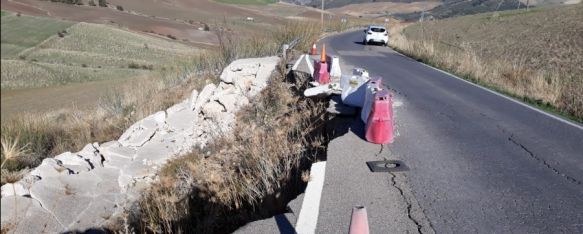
(322, 16)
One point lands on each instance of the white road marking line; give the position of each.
(308, 218)
(506, 97)
(295, 67)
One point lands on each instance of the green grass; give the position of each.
(2, 13)
(23, 32)
(247, 2)
(86, 52)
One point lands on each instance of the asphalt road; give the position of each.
(478, 162)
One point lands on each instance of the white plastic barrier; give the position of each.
(353, 90)
(373, 86)
(360, 72)
(335, 67)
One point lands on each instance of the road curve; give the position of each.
(479, 162)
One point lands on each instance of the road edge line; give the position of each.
(308, 217)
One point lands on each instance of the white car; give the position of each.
(376, 34)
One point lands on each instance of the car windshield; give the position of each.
(380, 30)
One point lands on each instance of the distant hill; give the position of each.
(447, 8)
(451, 8)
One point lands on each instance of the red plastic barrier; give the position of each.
(321, 73)
(379, 127)
(324, 76)
(359, 221)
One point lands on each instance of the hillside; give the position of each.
(44, 56)
(535, 55)
(191, 22)
(412, 10)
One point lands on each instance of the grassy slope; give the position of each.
(543, 38)
(534, 56)
(20, 33)
(87, 52)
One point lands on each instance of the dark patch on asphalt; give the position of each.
(387, 166)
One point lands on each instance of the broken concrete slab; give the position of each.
(204, 96)
(192, 100)
(50, 168)
(229, 101)
(26, 215)
(213, 110)
(115, 174)
(69, 159)
(181, 120)
(14, 189)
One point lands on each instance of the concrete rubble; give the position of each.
(84, 190)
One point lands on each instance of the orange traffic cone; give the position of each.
(323, 56)
(314, 50)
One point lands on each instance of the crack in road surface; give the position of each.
(409, 201)
(544, 162)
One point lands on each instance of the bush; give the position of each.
(103, 3)
(92, 3)
(119, 8)
(171, 36)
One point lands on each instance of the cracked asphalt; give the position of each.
(478, 163)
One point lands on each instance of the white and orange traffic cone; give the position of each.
(359, 221)
(314, 50)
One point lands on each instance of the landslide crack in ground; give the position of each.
(544, 162)
(380, 151)
(408, 202)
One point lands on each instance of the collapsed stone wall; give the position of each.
(84, 190)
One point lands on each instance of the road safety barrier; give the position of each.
(353, 90)
(335, 67)
(359, 221)
(379, 126)
(321, 74)
(314, 50)
(373, 86)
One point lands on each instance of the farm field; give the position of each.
(56, 55)
(20, 33)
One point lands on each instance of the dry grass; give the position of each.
(222, 186)
(547, 76)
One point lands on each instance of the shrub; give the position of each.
(103, 3)
(119, 8)
(171, 36)
(92, 3)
